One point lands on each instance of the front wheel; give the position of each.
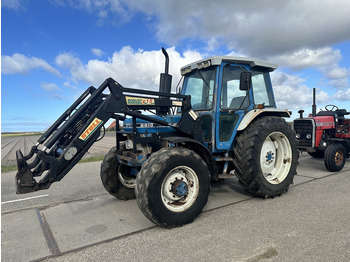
(335, 156)
(173, 186)
(266, 157)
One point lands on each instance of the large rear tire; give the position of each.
(266, 157)
(116, 178)
(335, 157)
(173, 186)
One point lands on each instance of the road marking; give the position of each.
(23, 199)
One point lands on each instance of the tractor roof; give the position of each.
(217, 60)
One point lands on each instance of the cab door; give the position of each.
(231, 105)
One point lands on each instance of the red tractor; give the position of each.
(325, 134)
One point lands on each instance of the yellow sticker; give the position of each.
(91, 129)
(134, 101)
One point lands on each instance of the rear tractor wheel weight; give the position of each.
(173, 186)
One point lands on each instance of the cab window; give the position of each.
(262, 89)
(231, 96)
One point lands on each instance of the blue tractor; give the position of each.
(222, 123)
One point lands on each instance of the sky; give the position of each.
(53, 50)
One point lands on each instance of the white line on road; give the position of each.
(23, 199)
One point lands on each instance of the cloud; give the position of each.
(295, 34)
(52, 89)
(325, 59)
(67, 61)
(292, 93)
(49, 86)
(97, 52)
(265, 27)
(305, 58)
(21, 64)
(343, 95)
(103, 9)
(67, 84)
(141, 69)
(258, 28)
(131, 68)
(13, 4)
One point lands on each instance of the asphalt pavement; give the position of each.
(77, 220)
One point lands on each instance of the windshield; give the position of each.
(200, 85)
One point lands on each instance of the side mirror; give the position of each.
(245, 80)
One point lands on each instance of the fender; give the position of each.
(257, 113)
(200, 149)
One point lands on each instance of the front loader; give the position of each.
(223, 123)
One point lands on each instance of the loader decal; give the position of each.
(139, 101)
(91, 128)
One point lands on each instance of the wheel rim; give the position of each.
(180, 189)
(126, 181)
(339, 158)
(276, 157)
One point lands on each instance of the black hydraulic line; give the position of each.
(63, 117)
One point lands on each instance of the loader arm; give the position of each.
(70, 137)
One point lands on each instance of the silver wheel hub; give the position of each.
(128, 182)
(275, 157)
(180, 189)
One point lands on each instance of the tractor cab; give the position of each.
(223, 89)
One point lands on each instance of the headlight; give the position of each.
(297, 136)
(308, 136)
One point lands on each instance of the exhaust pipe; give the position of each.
(165, 83)
(165, 78)
(314, 102)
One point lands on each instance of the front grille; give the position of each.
(302, 128)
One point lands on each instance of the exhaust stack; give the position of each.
(165, 83)
(165, 78)
(314, 102)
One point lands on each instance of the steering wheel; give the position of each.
(331, 107)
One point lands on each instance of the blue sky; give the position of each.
(52, 50)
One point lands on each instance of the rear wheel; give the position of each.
(335, 156)
(266, 157)
(117, 179)
(173, 186)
